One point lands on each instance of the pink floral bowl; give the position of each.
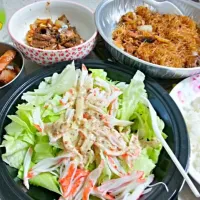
(79, 16)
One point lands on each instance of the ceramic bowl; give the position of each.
(78, 15)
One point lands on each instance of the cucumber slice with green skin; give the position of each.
(2, 18)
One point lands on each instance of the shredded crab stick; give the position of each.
(47, 165)
(100, 82)
(115, 166)
(81, 92)
(113, 108)
(98, 194)
(116, 184)
(66, 182)
(138, 191)
(67, 96)
(91, 181)
(77, 181)
(37, 121)
(27, 162)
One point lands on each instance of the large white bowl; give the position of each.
(108, 14)
(79, 16)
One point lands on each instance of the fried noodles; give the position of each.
(169, 40)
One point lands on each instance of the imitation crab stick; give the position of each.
(66, 182)
(91, 181)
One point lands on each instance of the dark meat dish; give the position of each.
(8, 70)
(44, 34)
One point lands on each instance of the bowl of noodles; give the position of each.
(161, 45)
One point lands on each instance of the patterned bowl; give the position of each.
(108, 14)
(78, 15)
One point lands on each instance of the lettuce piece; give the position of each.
(16, 159)
(19, 121)
(26, 116)
(25, 106)
(144, 163)
(143, 124)
(131, 96)
(91, 166)
(36, 99)
(57, 84)
(48, 115)
(43, 149)
(28, 137)
(14, 129)
(45, 180)
(99, 73)
(15, 151)
(153, 152)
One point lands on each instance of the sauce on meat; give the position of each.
(8, 69)
(44, 34)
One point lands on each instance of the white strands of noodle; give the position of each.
(159, 183)
(147, 191)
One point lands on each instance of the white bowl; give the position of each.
(78, 15)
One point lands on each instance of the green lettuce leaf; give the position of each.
(143, 124)
(43, 149)
(15, 151)
(14, 129)
(19, 121)
(45, 180)
(153, 152)
(144, 163)
(48, 115)
(57, 84)
(131, 96)
(99, 73)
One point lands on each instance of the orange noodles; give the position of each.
(169, 40)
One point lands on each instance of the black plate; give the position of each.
(12, 189)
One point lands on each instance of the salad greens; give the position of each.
(84, 136)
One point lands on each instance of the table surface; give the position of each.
(100, 52)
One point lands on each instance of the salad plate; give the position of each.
(186, 94)
(39, 161)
